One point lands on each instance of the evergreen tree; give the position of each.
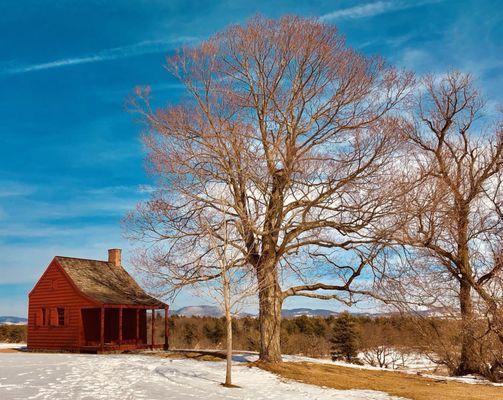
(344, 339)
(190, 334)
(215, 332)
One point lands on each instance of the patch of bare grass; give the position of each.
(395, 383)
(9, 350)
(192, 355)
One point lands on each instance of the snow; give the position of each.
(392, 358)
(78, 376)
(412, 362)
(42, 376)
(12, 345)
(295, 358)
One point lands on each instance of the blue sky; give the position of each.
(71, 163)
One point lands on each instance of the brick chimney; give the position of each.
(114, 257)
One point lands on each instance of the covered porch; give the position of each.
(124, 327)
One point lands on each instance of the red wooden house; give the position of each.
(91, 306)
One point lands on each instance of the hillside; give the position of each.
(198, 311)
(9, 320)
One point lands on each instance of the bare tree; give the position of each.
(233, 288)
(219, 274)
(449, 220)
(290, 133)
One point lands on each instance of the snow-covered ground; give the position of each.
(413, 363)
(26, 375)
(391, 358)
(78, 376)
(12, 345)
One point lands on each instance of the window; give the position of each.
(61, 316)
(54, 316)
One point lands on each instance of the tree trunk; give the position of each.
(469, 361)
(270, 295)
(228, 323)
(270, 303)
(228, 369)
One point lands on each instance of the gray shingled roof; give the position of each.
(105, 282)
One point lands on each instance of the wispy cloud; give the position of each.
(373, 9)
(137, 49)
(12, 189)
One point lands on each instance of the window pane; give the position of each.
(61, 316)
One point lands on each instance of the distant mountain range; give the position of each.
(321, 312)
(309, 312)
(213, 311)
(8, 320)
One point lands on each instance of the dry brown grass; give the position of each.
(395, 383)
(193, 355)
(9, 350)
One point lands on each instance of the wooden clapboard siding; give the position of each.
(53, 290)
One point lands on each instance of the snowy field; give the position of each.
(79, 376)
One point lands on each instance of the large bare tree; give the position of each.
(450, 218)
(287, 131)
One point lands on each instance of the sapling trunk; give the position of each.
(228, 323)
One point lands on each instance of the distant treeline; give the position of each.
(385, 341)
(13, 333)
(310, 336)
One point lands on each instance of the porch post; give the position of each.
(166, 328)
(80, 328)
(152, 329)
(120, 325)
(102, 329)
(137, 325)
